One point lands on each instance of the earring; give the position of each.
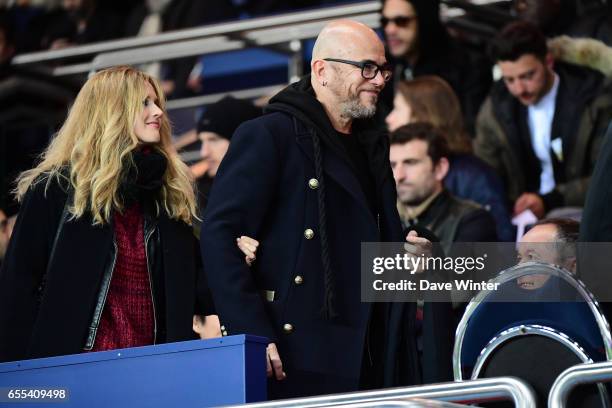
(324, 83)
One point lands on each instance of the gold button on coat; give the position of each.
(298, 280)
(287, 328)
(309, 234)
(313, 183)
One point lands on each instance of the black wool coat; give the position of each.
(263, 189)
(46, 308)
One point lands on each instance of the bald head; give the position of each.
(343, 50)
(344, 39)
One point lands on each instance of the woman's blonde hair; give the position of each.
(97, 139)
(431, 99)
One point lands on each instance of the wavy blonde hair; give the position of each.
(431, 99)
(97, 139)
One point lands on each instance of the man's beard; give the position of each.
(353, 109)
(416, 195)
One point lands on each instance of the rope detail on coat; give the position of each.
(328, 310)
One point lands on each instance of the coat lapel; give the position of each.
(337, 169)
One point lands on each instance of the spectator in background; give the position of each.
(542, 126)
(144, 20)
(215, 129)
(419, 159)
(180, 14)
(33, 103)
(28, 24)
(81, 22)
(420, 45)
(430, 99)
(563, 17)
(553, 241)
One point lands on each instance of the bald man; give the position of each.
(310, 180)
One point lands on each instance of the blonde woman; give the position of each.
(103, 255)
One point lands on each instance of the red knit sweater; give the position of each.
(127, 318)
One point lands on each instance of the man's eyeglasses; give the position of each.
(400, 21)
(369, 69)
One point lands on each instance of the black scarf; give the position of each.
(142, 177)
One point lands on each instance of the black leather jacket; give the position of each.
(152, 242)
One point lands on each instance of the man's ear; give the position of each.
(319, 72)
(441, 168)
(549, 61)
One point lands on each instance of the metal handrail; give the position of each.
(204, 46)
(574, 376)
(196, 101)
(399, 403)
(228, 28)
(473, 391)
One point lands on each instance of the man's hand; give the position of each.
(417, 246)
(532, 202)
(274, 363)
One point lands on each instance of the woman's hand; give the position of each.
(207, 327)
(248, 246)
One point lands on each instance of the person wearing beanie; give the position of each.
(215, 129)
(217, 125)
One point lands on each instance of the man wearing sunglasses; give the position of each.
(311, 180)
(419, 45)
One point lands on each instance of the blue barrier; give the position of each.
(198, 373)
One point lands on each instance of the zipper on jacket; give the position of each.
(112, 271)
(147, 237)
(378, 222)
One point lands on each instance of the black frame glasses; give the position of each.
(399, 21)
(369, 69)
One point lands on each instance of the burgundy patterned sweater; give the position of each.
(127, 318)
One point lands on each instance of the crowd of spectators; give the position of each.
(469, 150)
(495, 159)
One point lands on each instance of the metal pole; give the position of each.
(296, 61)
(574, 376)
(473, 391)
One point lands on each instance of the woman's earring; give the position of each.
(324, 83)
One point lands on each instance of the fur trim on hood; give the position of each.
(586, 52)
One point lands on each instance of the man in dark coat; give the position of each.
(311, 180)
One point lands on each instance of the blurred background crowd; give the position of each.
(447, 72)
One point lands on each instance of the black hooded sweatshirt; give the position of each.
(365, 150)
